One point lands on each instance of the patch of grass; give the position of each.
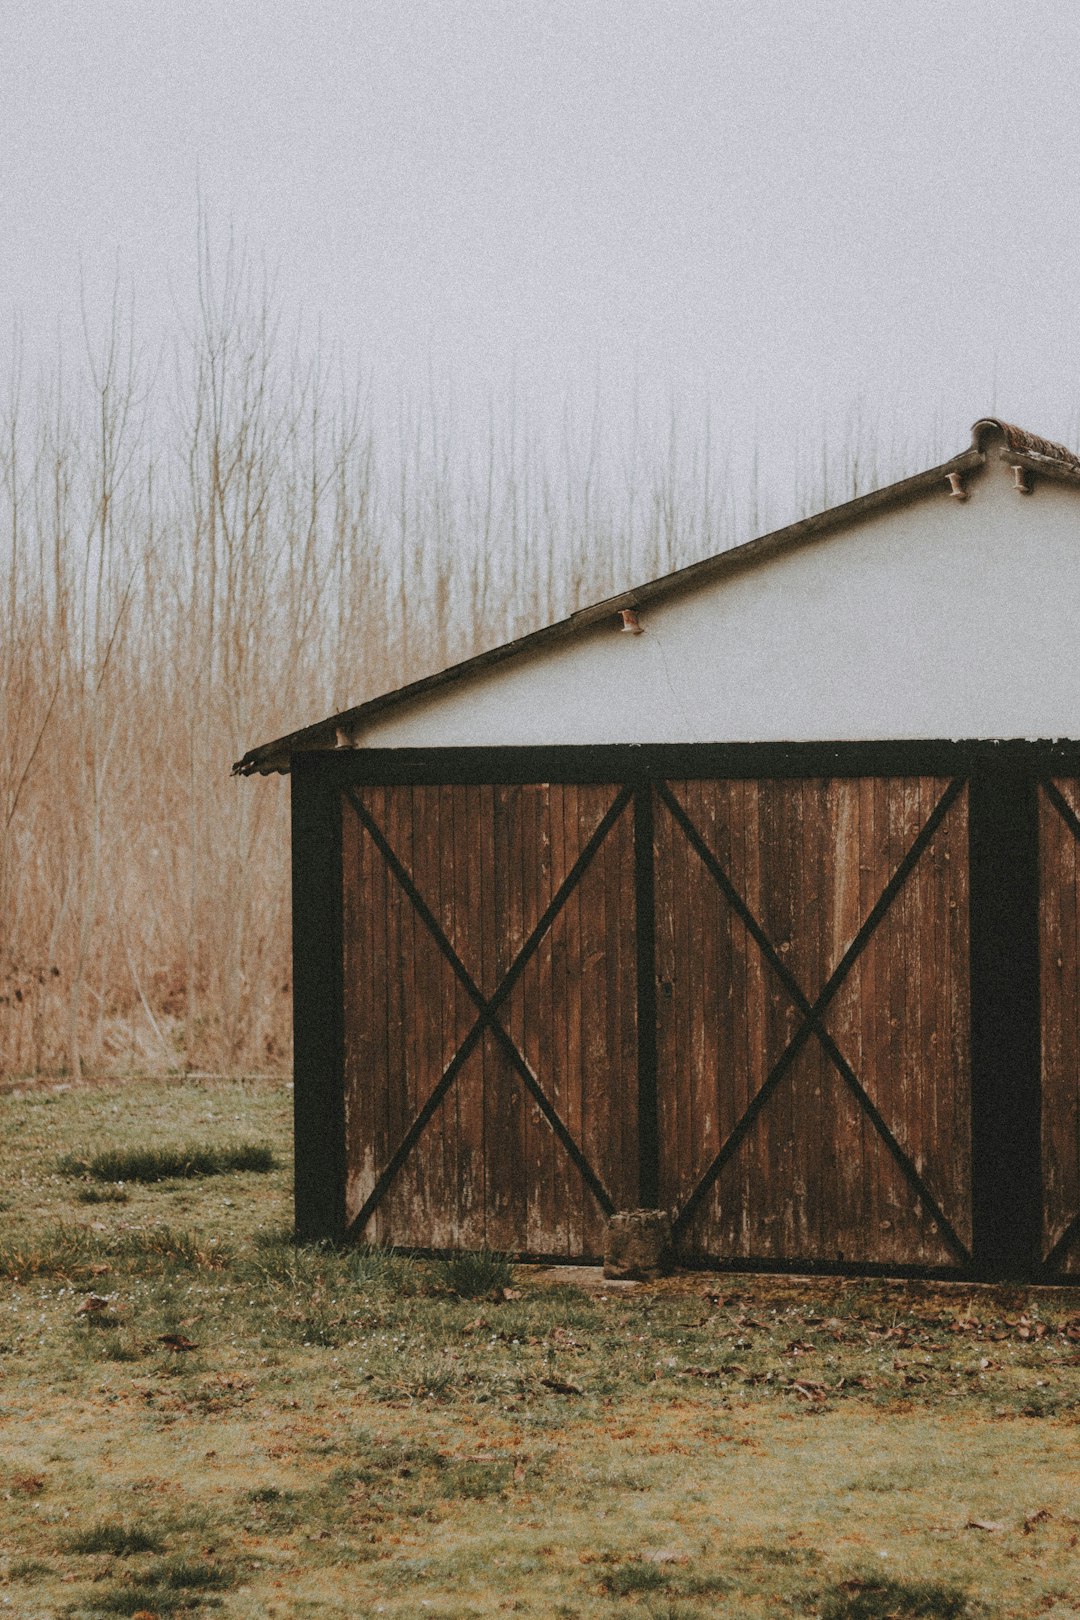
(116, 1346)
(102, 1195)
(69, 1252)
(675, 1609)
(706, 1585)
(27, 1569)
(181, 1574)
(153, 1247)
(332, 1281)
(769, 1554)
(874, 1598)
(370, 1266)
(131, 1600)
(475, 1479)
(150, 1164)
(422, 1378)
(351, 1429)
(280, 1510)
(115, 1537)
(171, 1584)
(473, 1273)
(634, 1576)
(61, 1251)
(1046, 1403)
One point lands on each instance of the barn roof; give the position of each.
(1017, 446)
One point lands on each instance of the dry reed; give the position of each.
(201, 556)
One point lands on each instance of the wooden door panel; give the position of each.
(1059, 988)
(815, 1181)
(490, 1044)
(902, 1016)
(812, 1016)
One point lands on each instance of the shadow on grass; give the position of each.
(172, 1584)
(875, 1598)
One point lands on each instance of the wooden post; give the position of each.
(1005, 1018)
(318, 1068)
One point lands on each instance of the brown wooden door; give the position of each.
(490, 1035)
(812, 1005)
(1059, 987)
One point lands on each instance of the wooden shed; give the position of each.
(752, 894)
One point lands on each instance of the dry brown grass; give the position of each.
(200, 554)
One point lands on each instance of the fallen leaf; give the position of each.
(92, 1302)
(176, 1341)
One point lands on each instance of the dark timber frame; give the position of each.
(1003, 780)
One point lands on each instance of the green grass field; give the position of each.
(197, 1417)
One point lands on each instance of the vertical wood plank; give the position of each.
(572, 1013)
(549, 1041)
(644, 910)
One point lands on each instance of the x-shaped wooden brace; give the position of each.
(813, 1013)
(1068, 815)
(487, 1008)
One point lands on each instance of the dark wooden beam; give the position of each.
(1005, 1014)
(620, 762)
(318, 990)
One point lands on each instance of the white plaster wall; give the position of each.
(938, 619)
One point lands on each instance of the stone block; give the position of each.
(638, 1245)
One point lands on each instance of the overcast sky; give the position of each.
(783, 207)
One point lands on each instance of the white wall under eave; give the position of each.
(937, 619)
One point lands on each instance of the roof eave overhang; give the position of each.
(276, 757)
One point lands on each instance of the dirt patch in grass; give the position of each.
(201, 1416)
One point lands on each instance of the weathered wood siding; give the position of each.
(777, 1138)
(486, 865)
(1059, 981)
(750, 1095)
